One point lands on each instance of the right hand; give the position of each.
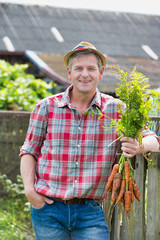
(37, 200)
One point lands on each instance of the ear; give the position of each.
(69, 73)
(101, 73)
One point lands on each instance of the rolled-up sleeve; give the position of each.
(36, 130)
(147, 132)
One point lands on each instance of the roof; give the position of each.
(118, 34)
(127, 39)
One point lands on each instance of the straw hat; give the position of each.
(81, 47)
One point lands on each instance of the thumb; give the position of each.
(48, 200)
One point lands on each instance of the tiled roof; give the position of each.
(116, 34)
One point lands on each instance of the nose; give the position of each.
(85, 73)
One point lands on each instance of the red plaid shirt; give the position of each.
(73, 157)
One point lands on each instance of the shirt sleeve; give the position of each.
(36, 130)
(147, 132)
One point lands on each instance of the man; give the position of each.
(66, 160)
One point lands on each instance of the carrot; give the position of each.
(136, 192)
(116, 187)
(126, 172)
(110, 189)
(121, 192)
(127, 201)
(111, 177)
(130, 188)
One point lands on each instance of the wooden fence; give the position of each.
(143, 221)
(13, 127)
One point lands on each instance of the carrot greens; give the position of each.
(136, 105)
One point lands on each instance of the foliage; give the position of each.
(15, 219)
(135, 92)
(19, 90)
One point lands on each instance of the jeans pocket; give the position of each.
(94, 204)
(39, 208)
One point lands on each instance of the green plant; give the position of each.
(15, 219)
(14, 191)
(19, 90)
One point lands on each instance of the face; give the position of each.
(85, 74)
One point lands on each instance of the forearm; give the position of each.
(27, 169)
(149, 144)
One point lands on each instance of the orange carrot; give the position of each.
(126, 171)
(127, 201)
(121, 192)
(111, 177)
(130, 188)
(136, 192)
(116, 187)
(110, 189)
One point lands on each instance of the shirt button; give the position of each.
(75, 181)
(78, 145)
(77, 163)
(79, 128)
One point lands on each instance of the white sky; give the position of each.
(136, 6)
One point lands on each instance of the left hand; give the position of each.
(130, 147)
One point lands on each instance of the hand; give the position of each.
(37, 200)
(130, 147)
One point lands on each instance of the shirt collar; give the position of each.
(66, 99)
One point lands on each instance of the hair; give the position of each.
(82, 53)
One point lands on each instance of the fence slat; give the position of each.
(133, 225)
(153, 199)
(139, 207)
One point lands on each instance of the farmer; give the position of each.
(65, 159)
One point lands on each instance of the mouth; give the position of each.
(84, 81)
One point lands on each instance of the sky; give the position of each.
(134, 6)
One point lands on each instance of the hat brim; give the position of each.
(67, 55)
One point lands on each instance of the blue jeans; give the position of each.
(60, 221)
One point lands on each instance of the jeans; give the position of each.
(60, 221)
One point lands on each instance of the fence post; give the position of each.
(153, 199)
(139, 207)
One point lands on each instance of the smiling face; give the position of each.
(84, 74)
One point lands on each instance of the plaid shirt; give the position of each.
(73, 157)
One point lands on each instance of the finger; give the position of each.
(128, 152)
(48, 200)
(128, 155)
(128, 147)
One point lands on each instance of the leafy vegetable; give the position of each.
(19, 90)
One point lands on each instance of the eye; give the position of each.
(78, 68)
(91, 69)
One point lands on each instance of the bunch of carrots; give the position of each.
(134, 94)
(122, 185)
(139, 100)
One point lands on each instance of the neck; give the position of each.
(81, 101)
